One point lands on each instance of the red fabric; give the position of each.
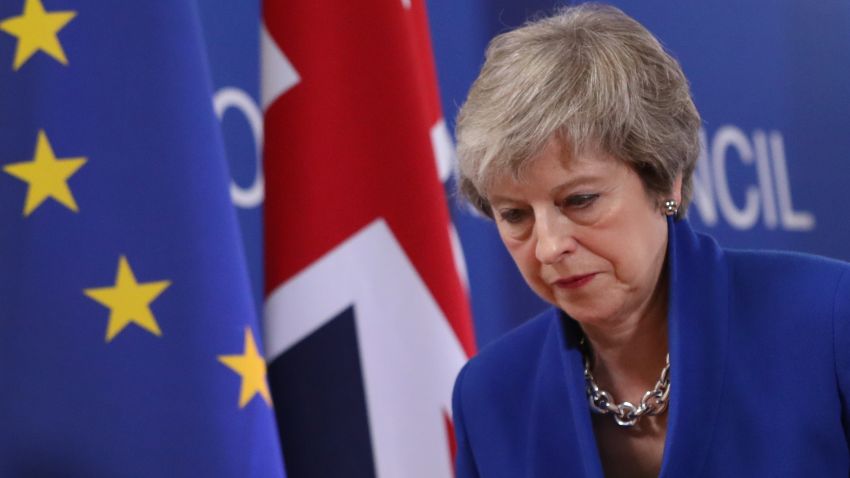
(450, 435)
(350, 142)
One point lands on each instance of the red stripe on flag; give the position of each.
(450, 435)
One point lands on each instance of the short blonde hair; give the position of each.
(590, 76)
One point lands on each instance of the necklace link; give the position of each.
(626, 414)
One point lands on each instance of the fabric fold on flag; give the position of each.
(367, 321)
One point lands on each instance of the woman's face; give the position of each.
(584, 233)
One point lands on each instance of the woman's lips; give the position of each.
(574, 282)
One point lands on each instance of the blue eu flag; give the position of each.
(128, 337)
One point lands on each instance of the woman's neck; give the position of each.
(628, 354)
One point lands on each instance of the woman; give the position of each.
(579, 139)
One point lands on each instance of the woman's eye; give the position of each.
(512, 216)
(578, 201)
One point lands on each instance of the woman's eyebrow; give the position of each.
(496, 200)
(577, 180)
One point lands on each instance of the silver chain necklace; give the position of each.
(653, 402)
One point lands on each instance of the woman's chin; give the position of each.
(585, 314)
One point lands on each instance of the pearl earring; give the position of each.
(671, 207)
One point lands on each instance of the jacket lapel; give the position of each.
(560, 440)
(698, 326)
(573, 368)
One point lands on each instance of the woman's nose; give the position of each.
(554, 234)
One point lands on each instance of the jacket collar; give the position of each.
(698, 315)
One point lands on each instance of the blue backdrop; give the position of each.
(771, 79)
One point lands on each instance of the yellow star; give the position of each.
(128, 301)
(46, 176)
(251, 366)
(36, 30)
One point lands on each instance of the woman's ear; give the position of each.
(677, 189)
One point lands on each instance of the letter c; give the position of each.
(726, 137)
(224, 99)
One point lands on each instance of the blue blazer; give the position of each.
(760, 376)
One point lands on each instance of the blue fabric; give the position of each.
(760, 374)
(151, 398)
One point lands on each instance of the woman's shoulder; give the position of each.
(768, 267)
(785, 258)
(789, 283)
(511, 357)
(786, 268)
